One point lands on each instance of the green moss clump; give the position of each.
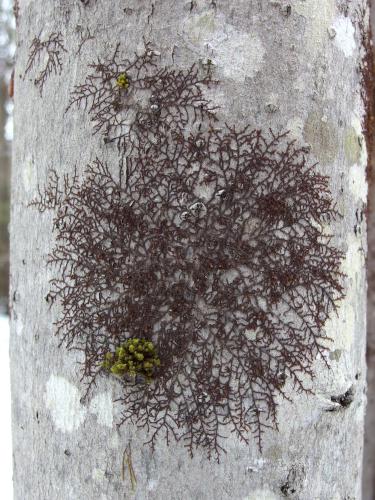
(134, 357)
(123, 81)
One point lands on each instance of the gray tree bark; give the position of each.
(287, 65)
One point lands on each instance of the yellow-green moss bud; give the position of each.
(134, 357)
(123, 81)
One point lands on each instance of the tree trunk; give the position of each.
(161, 124)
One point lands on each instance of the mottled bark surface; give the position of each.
(290, 66)
(369, 450)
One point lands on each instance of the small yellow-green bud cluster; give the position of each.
(123, 81)
(134, 357)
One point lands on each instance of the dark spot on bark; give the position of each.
(292, 486)
(287, 489)
(287, 10)
(344, 400)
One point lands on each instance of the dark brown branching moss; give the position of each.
(155, 101)
(52, 47)
(85, 36)
(208, 243)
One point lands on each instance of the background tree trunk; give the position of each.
(6, 64)
(287, 65)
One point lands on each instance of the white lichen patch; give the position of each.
(98, 475)
(102, 406)
(358, 183)
(251, 334)
(344, 38)
(356, 123)
(114, 441)
(262, 494)
(152, 484)
(62, 398)
(341, 326)
(356, 150)
(319, 16)
(241, 55)
(199, 28)
(18, 324)
(237, 54)
(295, 127)
(257, 465)
(322, 135)
(27, 174)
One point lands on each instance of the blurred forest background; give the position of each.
(7, 49)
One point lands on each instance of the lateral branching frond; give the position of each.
(51, 49)
(158, 99)
(52, 194)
